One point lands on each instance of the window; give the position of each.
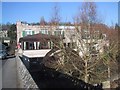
(43, 45)
(64, 44)
(27, 32)
(69, 45)
(63, 34)
(85, 34)
(44, 31)
(49, 33)
(57, 33)
(73, 45)
(96, 34)
(93, 50)
(31, 46)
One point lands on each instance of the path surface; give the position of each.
(9, 73)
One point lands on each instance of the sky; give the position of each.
(33, 11)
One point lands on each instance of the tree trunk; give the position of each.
(86, 72)
(108, 72)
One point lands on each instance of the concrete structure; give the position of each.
(15, 74)
(40, 44)
(70, 37)
(24, 77)
(25, 30)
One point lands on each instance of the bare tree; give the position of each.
(55, 18)
(72, 62)
(93, 36)
(42, 21)
(87, 17)
(86, 62)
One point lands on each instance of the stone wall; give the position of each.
(25, 80)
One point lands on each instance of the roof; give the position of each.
(39, 37)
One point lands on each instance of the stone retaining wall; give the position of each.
(25, 80)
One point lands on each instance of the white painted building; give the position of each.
(25, 30)
(71, 38)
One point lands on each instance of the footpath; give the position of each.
(9, 74)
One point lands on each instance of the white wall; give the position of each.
(36, 53)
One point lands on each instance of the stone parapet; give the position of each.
(25, 80)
